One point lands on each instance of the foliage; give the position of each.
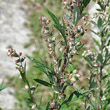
(60, 71)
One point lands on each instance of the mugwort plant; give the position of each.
(64, 42)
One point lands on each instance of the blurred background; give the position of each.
(20, 29)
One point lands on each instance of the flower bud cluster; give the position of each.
(87, 53)
(20, 59)
(33, 107)
(50, 39)
(72, 51)
(104, 2)
(53, 104)
(62, 96)
(92, 56)
(12, 53)
(73, 77)
(45, 22)
(69, 4)
(75, 33)
(78, 31)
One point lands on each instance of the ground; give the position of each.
(13, 34)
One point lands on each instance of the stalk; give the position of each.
(100, 74)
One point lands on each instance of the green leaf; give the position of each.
(58, 26)
(44, 68)
(55, 95)
(79, 47)
(108, 11)
(69, 20)
(3, 86)
(75, 96)
(93, 32)
(85, 3)
(100, 58)
(99, 9)
(78, 39)
(71, 67)
(97, 43)
(47, 107)
(83, 14)
(87, 59)
(56, 88)
(76, 14)
(94, 23)
(89, 108)
(93, 84)
(107, 53)
(59, 62)
(63, 22)
(92, 104)
(43, 82)
(104, 77)
(101, 5)
(68, 100)
(99, 23)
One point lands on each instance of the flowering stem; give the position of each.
(65, 59)
(100, 75)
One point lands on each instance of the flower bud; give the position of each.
(56, 91)
(52, 105)
(20, 77)
(62, 80)
(75, 52)
(26, 87)
(33, 107)
(77, 75)
(20, 53)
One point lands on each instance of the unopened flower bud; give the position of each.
(62, 80)
(56, 91)
(48, 21)
(22, 59)
(60, 49)
(75, 71)
(73, 79)
(67, 75)
(79, 43)
(26, 87)
(52, 105)
(17, 61)
(75, 52)
(33, 107)
(54, 38)
(77, 75)
(60, 97)
(20, 53)
(17, 68)
(20, 77)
